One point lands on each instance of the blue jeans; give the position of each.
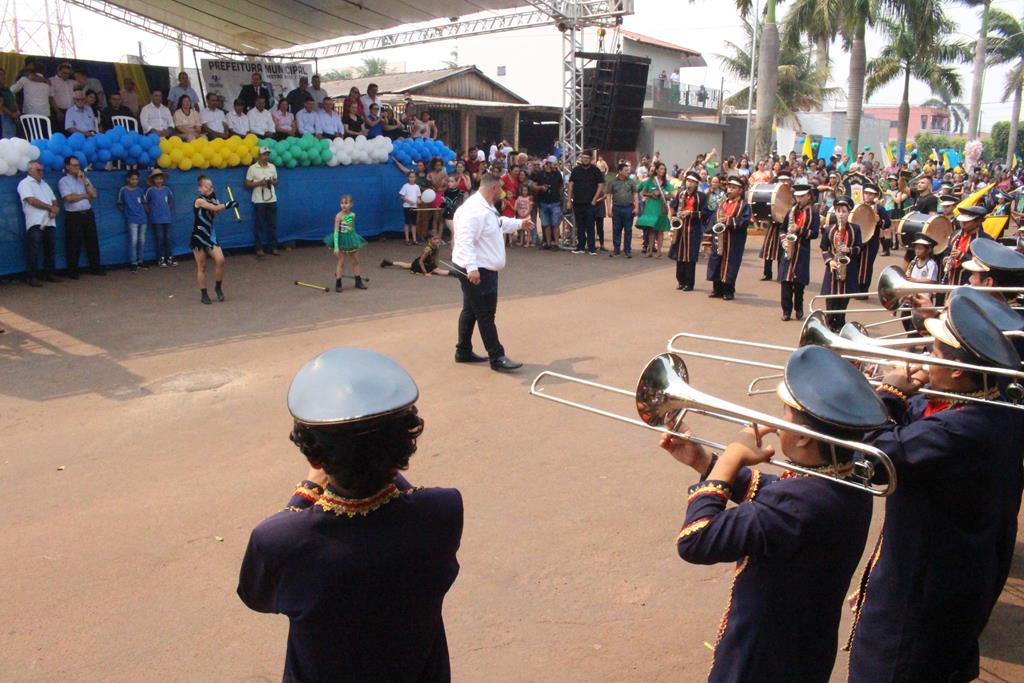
(163, 240)
(551, 214)
(138, 235)
(622, 227)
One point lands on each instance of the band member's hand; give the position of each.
(743, 449)
(527, 224)
(899, 379)
(316, 476)
(685, 451)
(833, 264)
(474, 277)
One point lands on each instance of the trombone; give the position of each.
(664, 396)
(893, 286)
(816, 332)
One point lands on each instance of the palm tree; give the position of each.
(799, 80)
(905, 56)
(1006, 46)
(958, 113)
(820, 21)
(980, 50)
(373, 66)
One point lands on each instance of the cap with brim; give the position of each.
(969, 213)
(153, 174)
(964, 326)
(924, 241)
(783, 176)
(947, 199)
(690, 175)
(994, 256)
(997, 310)
(872, 189)
(264, 150)
(551, 160)
(843, 201)
(348, 385)
(736, 182)
(800, 189)
(823, 385)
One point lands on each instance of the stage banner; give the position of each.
(226, 77)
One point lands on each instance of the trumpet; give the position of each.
(893, 286)
(664, 396)
(816, 332)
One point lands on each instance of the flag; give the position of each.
(945, 160)
(807, 150)
(933, 156)
(849, 149)
(886, 154)
(826, 148)
(903, 152)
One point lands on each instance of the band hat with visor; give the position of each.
(828, 388)
(963, 325)
(735, 182)
(989, 255)
(800, 189)
(843, 201)
(690, 175)
(947, 200)
(970, 213)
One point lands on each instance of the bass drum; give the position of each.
(771, 201)
(866, 217)
(934, 225)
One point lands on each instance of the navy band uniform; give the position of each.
(724, 263)
(805, 223)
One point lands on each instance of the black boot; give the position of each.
(359, 283)
(337, 284)
(205, 298)
(385, 263)
(218, 291)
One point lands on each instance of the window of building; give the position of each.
(501, 71)
(924, 120)
(894, 124)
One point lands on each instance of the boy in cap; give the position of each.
(777, 627)
(725, 261)
(800, 227)
(969, 229)
(950, 527)
(359, 560)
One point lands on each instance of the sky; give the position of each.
(531, 57)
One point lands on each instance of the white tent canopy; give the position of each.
(258, 26)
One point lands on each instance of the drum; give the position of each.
(866, 217)
(771, 201)
(934, 225)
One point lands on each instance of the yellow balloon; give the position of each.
(246, 159)
(204, 164)
(234, 160)
(185, 164)
(175, 140)
(216, 160)
(251, 138)
(175, 156)
(165, 145)
(165, 160)
(197, 159)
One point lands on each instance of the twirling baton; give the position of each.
(231, 196)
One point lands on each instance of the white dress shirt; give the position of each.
(212, 119)
(261, 122)
(318, 94)
(36, 96)
(30, 187)
(237, 123)
(366, 101)
(153, 117)
(63, 89)
(480, 235)
(329, 123)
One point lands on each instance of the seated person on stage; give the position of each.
(237, 121)
(212, 117)
(115, 107)
(284, 121)
(359, 560)
(425, 263)
(796, 539)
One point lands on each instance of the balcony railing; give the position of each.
(679, 97)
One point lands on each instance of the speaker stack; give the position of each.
(613, 101)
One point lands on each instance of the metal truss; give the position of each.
(38, 27)
(157, 28)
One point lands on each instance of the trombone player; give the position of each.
(691, 212)
(950, 527)
(796, 539)
(799, 228)
(840, 248)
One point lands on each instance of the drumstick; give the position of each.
(231, 196)
(300, 283)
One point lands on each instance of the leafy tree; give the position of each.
(1006, 46)
(373, 66)
(958, 113)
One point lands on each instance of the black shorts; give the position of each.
(417, 266)
(410, 216)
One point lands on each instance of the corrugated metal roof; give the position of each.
(257, 26)
(411, 81)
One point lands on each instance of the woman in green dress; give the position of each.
(654, 219)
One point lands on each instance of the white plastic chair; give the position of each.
(129, 123)
(36, 127)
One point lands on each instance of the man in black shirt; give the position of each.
(114, 108)
(586, 189)
(297, 98)
(250, 92)
(548, 183)
(926, 202)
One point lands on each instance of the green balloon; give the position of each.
(326, 156)
(290, 163)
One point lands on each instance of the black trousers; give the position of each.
(264, 222)
(686, 272)
(39, 238)
(723, 288)
(792, 297)
(585, 218)
(79, 227)
(479, 305)
(767, 268)
(836, 320)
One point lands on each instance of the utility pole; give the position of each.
(753, 70)
(181, 53)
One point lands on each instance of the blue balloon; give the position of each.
(58, 138)
(102, 141)
(116, 133)
(135, 150)
(89, 147)
(103, 155)
(82, 157)
(117, 150)
(154, 140)
(41, 145)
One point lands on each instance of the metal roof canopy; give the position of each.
(252, 27)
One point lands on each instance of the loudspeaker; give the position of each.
(613, 101)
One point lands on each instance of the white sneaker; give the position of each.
(578, 251)
(172, 262)
(162, 263)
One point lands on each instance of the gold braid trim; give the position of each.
(692, 528)
(292, 508)
(351, 507)
(740, 566)
(706, 489)
(310, 493)
(862, 594)
(755, 483)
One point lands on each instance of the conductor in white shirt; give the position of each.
(479, 252)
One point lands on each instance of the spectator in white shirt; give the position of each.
(212, 118)
(41, 208)
(80, 118)
(308, 119)
(316, 91)
(62, 86)
(184, 87)
(261, 121)
(237, 121)
(93, 85)
(479, 252)
(36, 92)
(328, 120)
(370, 98)
(155, 117)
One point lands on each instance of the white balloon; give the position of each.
(360, 139)
(349, 142)
(3, 167)
(23, 163)
(428, 197)
(345, 159)
(33, 152)
(333, 162)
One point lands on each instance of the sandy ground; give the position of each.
(139, 426)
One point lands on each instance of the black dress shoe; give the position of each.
(687, 288)
(680, 287)
(505, 364)
(49, 277)
(33, 282)
(766, 278)
(728, 297)
(785, 318)
(714, 295)
(799, 315)
(470, 357)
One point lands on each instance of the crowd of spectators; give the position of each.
(76, 102)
